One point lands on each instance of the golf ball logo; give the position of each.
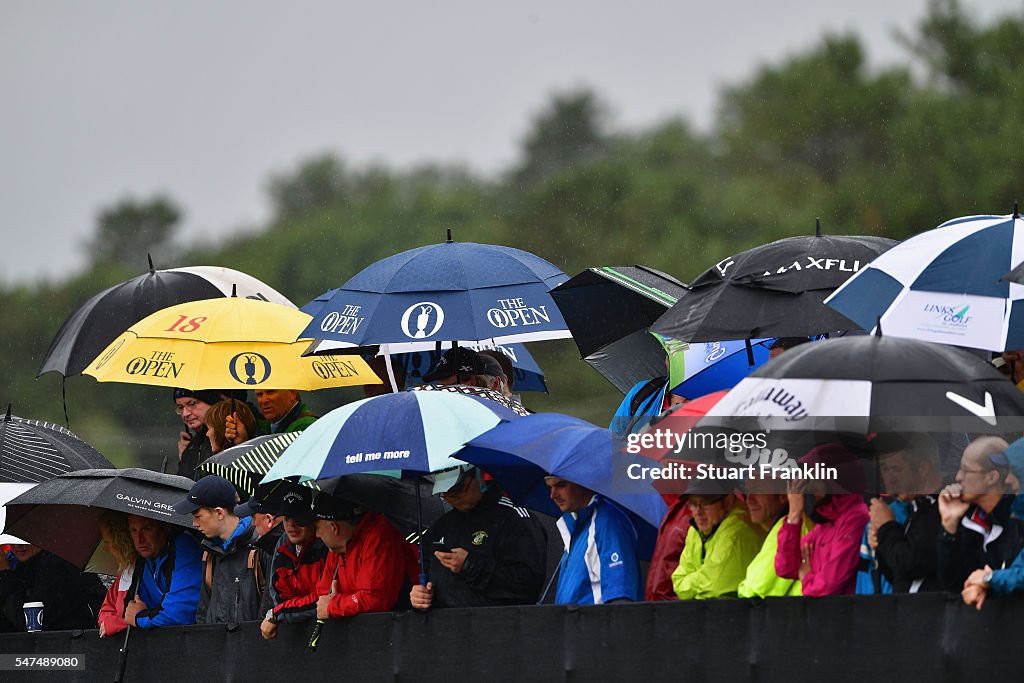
(250, 364)
(422, 320)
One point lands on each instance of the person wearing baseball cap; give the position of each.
(229, 592)
(194, 446)
(297, 565)
(460, 365)
(369, 567)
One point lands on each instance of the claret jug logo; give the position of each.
(422, 320)
(251, 365)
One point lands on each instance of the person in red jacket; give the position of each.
(369, 565)
(117, 541)
(298, 563)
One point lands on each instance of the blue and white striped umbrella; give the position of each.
(412, 432)
(945, 285)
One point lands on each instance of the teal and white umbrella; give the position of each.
(412, 432)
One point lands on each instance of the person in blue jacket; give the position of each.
(600, 564)
(167, 577)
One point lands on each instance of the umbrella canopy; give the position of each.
(878, 384)
(480, 392)
(701, 368)
(519, 454)
(774, 290)
(945, 286)
(443, 292)
(527, 374)
(33, 451)
(413, 431)
(97, 322)
(61, 515)
(245, 464)
(608, 310)
(225, 343)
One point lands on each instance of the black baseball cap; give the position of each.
(326, 506)
(297, 504)
(209, 492)
(461, 361)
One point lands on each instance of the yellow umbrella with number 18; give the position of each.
(225, 343)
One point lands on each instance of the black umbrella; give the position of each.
(33, 451)
(99, 321)
(245, 464)
(774, 290)
(854, 386)
(61, 515)
(608, 310)
(393, 497)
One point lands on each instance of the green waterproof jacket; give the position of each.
(761, 580)
(714, 567)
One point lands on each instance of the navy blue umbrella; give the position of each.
(518, 454)
(453, 291)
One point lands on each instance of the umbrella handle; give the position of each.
(122, 659)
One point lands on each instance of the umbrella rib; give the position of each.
(640, 288)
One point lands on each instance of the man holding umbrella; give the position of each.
(485, 550)
(600, 563)
(167, 576)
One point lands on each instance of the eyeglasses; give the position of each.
(973, 471)
(189, 406)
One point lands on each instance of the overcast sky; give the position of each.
(204, 100)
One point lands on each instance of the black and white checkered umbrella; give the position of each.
(33, 451)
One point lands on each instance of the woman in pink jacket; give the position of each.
(118, 542)
(827, 558)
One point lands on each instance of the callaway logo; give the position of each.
(986, 412)
(293, 497)
(427, 318)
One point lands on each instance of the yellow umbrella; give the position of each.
(225, 343)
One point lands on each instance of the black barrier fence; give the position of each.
(931, 637)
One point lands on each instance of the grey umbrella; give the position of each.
(32, 451)
(61, 515)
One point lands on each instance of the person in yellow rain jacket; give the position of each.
(720, 544)
(768, 505)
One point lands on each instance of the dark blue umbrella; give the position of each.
(453, 291)
(520, 453)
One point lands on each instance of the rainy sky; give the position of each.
(203, 101)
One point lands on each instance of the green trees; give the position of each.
(819, 134)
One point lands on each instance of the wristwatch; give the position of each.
(986, 578)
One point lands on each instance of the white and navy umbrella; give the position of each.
(412, 432)
(92, 326)
(945, 286)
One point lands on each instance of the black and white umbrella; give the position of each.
(61, 515)
(877, 383)
(245, 464)
(483, 392)
(774, 290)
(101, 319)
(608, 310)
(32, 451)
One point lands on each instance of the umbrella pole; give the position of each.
(391, 370)
(64, 401)
(750, 352)
(122, 657)
(423, 541)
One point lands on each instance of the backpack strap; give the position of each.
(208, 569)
(645, 392)
(256, 565)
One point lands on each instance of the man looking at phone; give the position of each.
(485, 551)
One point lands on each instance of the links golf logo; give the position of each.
(950, 315)
(428, 316)
(250, 364)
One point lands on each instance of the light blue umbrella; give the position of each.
(519, 454)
